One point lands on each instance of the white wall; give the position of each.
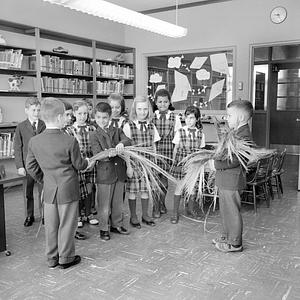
(238, 23)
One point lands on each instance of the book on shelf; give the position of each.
(110, 86)
(113, 70)
(11, 58)
(66, 85)
(6, 144)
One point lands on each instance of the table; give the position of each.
(10, 177)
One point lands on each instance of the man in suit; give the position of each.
(231, 179)
(111, 172)
(24, 132)
(54, 158)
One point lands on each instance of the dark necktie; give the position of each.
(143, 126)
(115, 122)
(192, 132)
(81, 130)
(34, 128)
(163, 115)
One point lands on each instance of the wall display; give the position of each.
(203, 79)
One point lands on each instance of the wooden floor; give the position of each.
(164, 262)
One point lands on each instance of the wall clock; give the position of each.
(278, 14)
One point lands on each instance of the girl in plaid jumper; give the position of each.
(81, 130)
(119, 116)
(142, 132)
(187, 140)
(167, 123)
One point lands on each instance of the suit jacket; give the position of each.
(54, 158)
(230, 175)
(24, 132)
(112, 169)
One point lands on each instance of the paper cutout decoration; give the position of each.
(198, 62)
(155, 78)
(160, 86)
(174, 62)
(219, 63)
(182, 87)
(202, 74)
(2, 40)
(216, 89)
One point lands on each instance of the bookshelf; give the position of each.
(91, 69)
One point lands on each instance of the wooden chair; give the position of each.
(257, 182)
(277, 171)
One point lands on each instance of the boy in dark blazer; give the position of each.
(231, 179)
(24, 132)
(111, 172)
(54, 158)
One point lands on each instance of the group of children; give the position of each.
(55, 157)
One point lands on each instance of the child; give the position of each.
(90, 119)
(167, 124)
(117, 104)
(187, 140)
(81, 130)
(54, 158)
(111, 172)
(24, 132)
(68, 116)
(142, 132)
(230, 179)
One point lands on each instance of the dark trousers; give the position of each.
(28, 196)
(60, 228)
(232, 222)
(110, 204)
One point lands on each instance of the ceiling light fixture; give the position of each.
(116, 13)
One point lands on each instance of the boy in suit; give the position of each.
(231, 179)
(24, 132)
(54, 158)
(111, 172)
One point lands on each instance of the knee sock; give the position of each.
(132, 208)
(145, 203)
(176, 204)
(87, 204)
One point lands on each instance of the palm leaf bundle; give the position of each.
(199, 168)
(143, 161)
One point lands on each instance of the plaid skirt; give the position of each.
(165, 147)
(176, 169)
(84, 179)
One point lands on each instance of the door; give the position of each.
(284, 112)
(285, 107)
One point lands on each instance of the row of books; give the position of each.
(66, 85)
(11, 58)
(6, 144)
(114, 71)
(107, 87)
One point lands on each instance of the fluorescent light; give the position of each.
(116, 13)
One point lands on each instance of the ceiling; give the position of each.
(150, 6)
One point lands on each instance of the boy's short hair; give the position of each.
(103, 107)
(243, 105)
(32, 101)
(51, 108)
(117, 97)
(66, 104)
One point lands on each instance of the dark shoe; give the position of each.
(77, 260)
(120, 230)
(224, 247)
(149, 222)
(136, 225)
(79, 236)
(104, 235)
(53, 264)
(28, 221)
(174, 219)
